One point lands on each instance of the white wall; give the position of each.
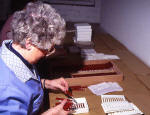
(129, 22)
(80, 13)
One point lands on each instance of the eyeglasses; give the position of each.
(48, 52)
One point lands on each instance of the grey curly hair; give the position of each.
(39, 22)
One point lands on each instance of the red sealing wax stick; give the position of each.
(77, 87)
(69, 93)
(67, 106)
(62, 99)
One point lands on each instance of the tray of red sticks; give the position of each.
(88, 72)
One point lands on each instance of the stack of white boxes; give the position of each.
(83, 32)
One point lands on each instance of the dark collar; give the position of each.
(9, 46)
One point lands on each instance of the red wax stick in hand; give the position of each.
(67, 106)
(77, 87)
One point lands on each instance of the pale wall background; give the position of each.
(129, 22)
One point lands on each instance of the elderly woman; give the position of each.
(34, 33)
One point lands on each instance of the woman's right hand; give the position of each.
(57, 110)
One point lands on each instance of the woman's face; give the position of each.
(37, 53)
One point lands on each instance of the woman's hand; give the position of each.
(57, 84)
(57, 110)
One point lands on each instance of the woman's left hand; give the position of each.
(57, 84)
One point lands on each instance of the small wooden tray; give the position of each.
(89, 72)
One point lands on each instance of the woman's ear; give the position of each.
(28, 44)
